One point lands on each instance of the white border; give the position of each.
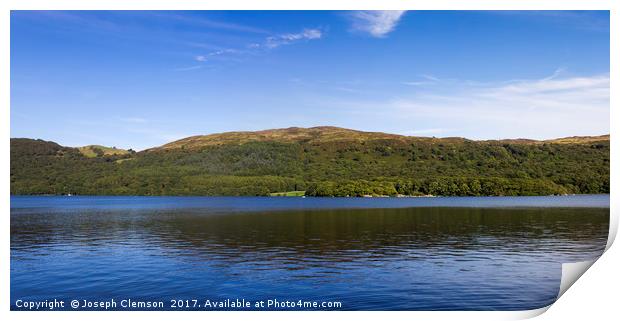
(595, 295)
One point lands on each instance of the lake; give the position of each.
(444, 253)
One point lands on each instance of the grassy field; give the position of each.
(289, 194)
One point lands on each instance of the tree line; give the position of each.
(331, 168)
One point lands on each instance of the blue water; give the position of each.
(293, 203)
(448, 253)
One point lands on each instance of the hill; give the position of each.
(322, 161)
(284, 135)
(324, 134)
(98, 151)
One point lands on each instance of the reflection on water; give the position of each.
(397, 258)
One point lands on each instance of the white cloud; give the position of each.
(205, 57)
(376, 23)
(426, 80)
(552, 85)
(544, 108)
(430, 77)
(288, 38)
(269, 43)
(187, 68)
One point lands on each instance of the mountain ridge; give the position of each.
(314, 134)
(333, 133)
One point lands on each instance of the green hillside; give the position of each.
(322, 161)
(98, 151)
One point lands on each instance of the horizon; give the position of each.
(141, 79)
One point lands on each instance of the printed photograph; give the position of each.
(305, 160)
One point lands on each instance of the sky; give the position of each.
(139, 79)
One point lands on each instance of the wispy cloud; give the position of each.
(207, 56)
(288, 38)
(548, 107)
(269, 43)
(206, 22)
(376, 23)
(555, 91)
(542, 108)
(188, 68)
(423, 81)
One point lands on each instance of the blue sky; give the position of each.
(138, 79)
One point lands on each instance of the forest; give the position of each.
(349, 165)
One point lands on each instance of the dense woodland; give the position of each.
(334, 167)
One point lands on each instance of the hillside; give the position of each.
(284, 135)
(98, 151)
(323, 161)
(324, 134)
